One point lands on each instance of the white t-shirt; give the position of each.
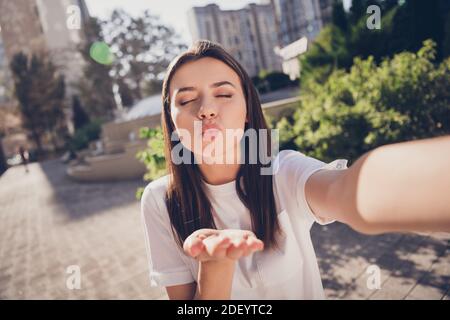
(290, 272)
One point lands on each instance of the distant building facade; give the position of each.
(257, 34)
(249, 34)
(45, 26)
(300, 18)
(299, 22)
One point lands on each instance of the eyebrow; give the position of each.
(214, 85)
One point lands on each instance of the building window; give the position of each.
(239, 55)
(236, 40)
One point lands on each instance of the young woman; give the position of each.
(227, 229)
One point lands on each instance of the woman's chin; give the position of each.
(211, 154)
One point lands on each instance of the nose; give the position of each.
(207, 111)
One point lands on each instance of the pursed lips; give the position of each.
(212, 127)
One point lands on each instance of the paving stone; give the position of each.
(48, 223)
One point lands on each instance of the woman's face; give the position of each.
(208, 107)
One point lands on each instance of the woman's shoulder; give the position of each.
(291, 162)
(158, 185)
(154, 193)
(287, 160)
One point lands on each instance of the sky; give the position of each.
(171, 12)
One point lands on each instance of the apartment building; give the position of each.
(249, 34)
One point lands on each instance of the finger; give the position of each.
(192, 242)
(238, 240)
(247, 251)
(203, 256)
(204, 233)
(194, 247)
(248, 234)
(213, 243)
(249, 243)
(202, 236)
(252, 244)
(235, 252)
(255, 244)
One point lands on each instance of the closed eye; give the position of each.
(186, 102)
(218, 96)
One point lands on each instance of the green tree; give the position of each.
(327, 53)
(153, 157)
(40, 90)
(126, 95)
(96, 86)
(357, 10)
(446, 40)
(339, 17)
(54, 106)
(152, 86)
(404, 98)
(144, 47)
(403, 28)
(3, 164)
(79, 117)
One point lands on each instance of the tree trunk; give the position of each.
(3, 164)
(37, 140)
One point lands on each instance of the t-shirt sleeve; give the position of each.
(296, 168)
(167, 265)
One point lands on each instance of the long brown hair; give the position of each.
(186, 200)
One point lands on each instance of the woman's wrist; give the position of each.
(215, 279)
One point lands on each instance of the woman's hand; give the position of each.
(217, 252)
(228, 244)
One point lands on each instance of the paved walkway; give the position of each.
(48, 223)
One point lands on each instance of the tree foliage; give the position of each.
(403, 98)
(96, 86)
(40, 91)
(143, 47)
(403, 28)
(153, 156)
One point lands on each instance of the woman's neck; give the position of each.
(221, 172)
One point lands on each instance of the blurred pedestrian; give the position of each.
(24, 156)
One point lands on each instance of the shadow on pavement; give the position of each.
(82, 199)
(337, 245)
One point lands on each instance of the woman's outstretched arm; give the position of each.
(397, 187)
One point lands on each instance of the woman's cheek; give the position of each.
(184, 124)
(239, 114)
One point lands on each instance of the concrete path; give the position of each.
(48, 223)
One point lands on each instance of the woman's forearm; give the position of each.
(401, 187)
(215, 280)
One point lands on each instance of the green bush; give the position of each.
(404, 27)
(272, 81)
(84, 135)
(328, 52)
(403, 98)
(153, 157)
